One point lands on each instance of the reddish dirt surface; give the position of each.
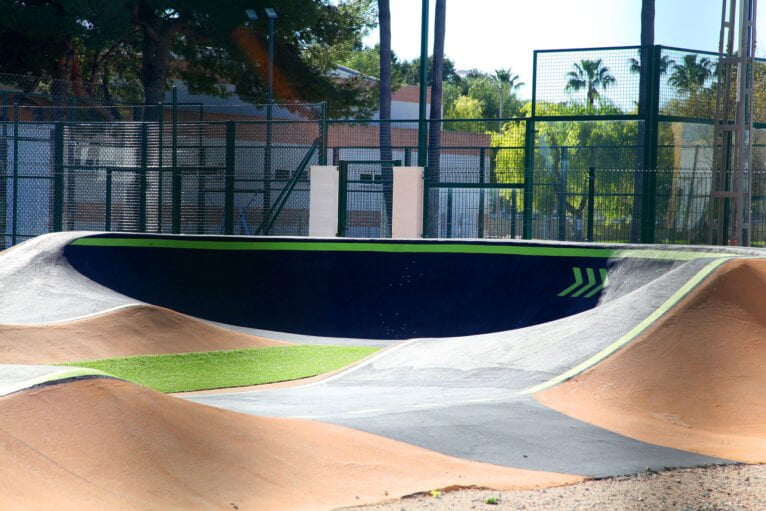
(108, 444)
(136, 330)
(695, 381)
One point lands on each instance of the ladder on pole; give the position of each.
(730, 207)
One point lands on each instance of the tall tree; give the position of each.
(207, 44)
(507, 82)
(589, 75)
(435, 128)
(664, 64)
(384, 18)
(691, 74)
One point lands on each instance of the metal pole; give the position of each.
(482, 180)
(58, 177)
(324, 135)
(591, 200)
(176, 176)
(15, 199)
(269, 118)
(529, 172)
(228, 208)
(108, 201)
(422, 126)
(160, 175)
(142, 177)
(562, 206)
(342, 197)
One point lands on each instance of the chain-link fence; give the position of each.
(604, 156)
(167, 175)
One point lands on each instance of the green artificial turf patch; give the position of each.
(183, 372)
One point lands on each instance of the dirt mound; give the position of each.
(134, 330)
(695, 380)
(109, 444)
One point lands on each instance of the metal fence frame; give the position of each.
(221, 177)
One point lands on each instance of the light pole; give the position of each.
(500, 102)
(422, 127)
(271, 15)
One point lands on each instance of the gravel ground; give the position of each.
(714, 488)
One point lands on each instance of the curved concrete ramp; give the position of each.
(695, 380)
(381, 289)
(471, 397)
(39, 284)
(107, 444)
(617, 340)
(125, 331)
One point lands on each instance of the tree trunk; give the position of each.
(384, 18)
(157, 40)
(647, 40)
(434, 131)
(435, 123)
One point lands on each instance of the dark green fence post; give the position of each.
(160, 174)
(228, 207)
(482, 180)
(324, 136)
(529, 167)
(562, 206)
(342, 197)
(514, 209)
(58, 177)
(108, 200)
(591, 200)
(426, 203)
(407, 156)
(649, 184)
(15, 198)
(4, 174)
(142, 178)
(176, 185)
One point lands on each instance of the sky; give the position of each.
(493, 34)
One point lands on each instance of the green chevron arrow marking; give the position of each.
(577, 283)
(590, 284)
(604, 283)
(576, 288)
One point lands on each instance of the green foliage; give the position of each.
(182, 372)
(124, 43)
(589, 75)
(690, 76)
(492, 501)
(410, 71)
(563, 153)
(465, 107)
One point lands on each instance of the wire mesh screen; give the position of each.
(588, 82)
(266, 160)
(154, 176)
(369, 199)
(372, 140)
(470, 203)
(25, 190)
(688, 83)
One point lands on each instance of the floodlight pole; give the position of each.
(422, 126)
(269, 119)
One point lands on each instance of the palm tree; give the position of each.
(437, 72)
(690, 76)
(507, 82)
(589, 75)
(387, 178)
(664, 65)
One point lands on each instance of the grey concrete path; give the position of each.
(460, 396)
(38, 285)
(463, 396)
